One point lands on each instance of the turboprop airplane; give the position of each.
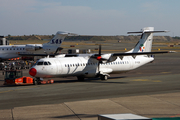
(13, 51)
(97, 65)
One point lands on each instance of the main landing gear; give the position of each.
(80, 78)
(104, 77)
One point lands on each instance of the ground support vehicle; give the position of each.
(15, 77)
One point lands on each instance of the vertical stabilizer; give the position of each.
(54, 44)
(58, 38)
(145, 42)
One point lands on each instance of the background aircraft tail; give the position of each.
(58, 38)
(54, 44)
(145, 42)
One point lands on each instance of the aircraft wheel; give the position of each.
(104, 77)
(35, 82)
(80, 78)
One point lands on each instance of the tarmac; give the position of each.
(152, 91)
(158, 105)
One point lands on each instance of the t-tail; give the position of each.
(145, 42)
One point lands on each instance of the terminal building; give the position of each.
(3, 41)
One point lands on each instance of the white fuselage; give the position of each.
(85, 66)
(13, 51)
(8, 51)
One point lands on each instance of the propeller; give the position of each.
(99, 58)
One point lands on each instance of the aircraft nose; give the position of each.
(32, 71)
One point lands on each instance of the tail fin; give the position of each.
(54, 44)
(58, 38)
(145, 42)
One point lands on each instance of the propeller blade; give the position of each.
(99, 58)
(99, 50)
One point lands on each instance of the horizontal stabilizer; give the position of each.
(66, 33)
(147, 32)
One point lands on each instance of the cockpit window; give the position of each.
(40, 63)
(45, 63)
(49, 63)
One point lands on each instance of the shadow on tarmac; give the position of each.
(76, 115)
(93, 80)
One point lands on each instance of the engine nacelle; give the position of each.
(108, 58)
(33, 47)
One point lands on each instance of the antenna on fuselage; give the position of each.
(46, 54)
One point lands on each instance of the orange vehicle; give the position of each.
(15, 77)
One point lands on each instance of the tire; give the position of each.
(104, 77)
(35, 82)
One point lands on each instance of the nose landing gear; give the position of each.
(36, 81)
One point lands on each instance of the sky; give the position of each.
(88, 17)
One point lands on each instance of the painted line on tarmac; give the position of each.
(140, 80)
(146, 80)
(16, 89)
(165, 72)
(177, 115)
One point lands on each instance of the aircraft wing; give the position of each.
(113, 56)
(22, 54)
(96, 55)
(117, 54)
(45, 54)
(140, 53)
(137, 53)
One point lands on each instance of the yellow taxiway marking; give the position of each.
(165, 72)
(17, 89)
(156, 81)
(144, 80)
(140, 80)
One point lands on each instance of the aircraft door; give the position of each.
(58, 66)
(131, 65)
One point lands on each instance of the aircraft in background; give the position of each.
(14, 51)
(97, 65)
